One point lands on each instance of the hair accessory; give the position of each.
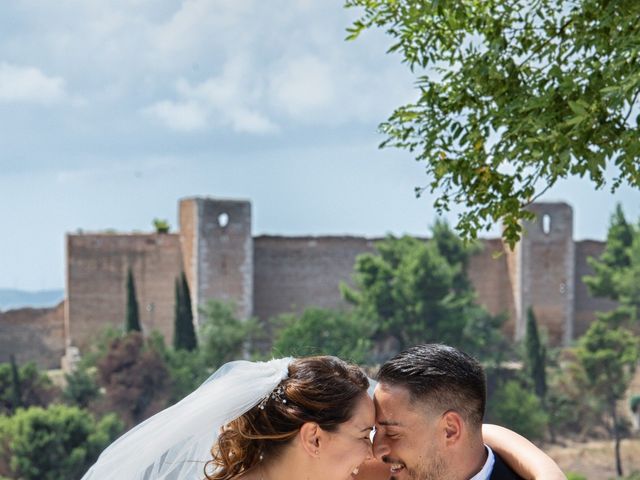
(277, 394)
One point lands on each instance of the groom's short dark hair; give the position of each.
(442, 377)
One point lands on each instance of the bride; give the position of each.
(307, 418)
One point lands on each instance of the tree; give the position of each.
(224, 337)
(609, 350)
(16, 388)
(513, 97)
(184, 336)
(414, 290)
(535, 356)
(134, 377)
(187, 368)
(608, 353)
(161, 225)
(605, 282)
(133, 316)
(515, 407)
(59, 442)
(323, 332)
(81, 388)
(571, 406)
(35, 387)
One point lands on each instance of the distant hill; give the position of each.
(11, 299)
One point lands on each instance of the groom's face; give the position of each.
(407, 436)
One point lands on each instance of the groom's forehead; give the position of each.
(389, 398)
(393, 401)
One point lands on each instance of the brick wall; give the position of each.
(33, 334)
(188, 221)
(269, 275)
(96, 282)
(218, 232)
(547, 267)
(291, 273)
(489, 273)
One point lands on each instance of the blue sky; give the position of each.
(112, 111)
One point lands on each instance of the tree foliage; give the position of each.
(35, 387)
(161, 225)
(609, 351)
(81, 388)
(414, 290)
(512, 97)
(610, 268)
(59, 442)
(516, 407)
(133, 316)
(223, 336)
(135, 378)
(609, 354)
(535, 356)
(323, 332)
(572, 409)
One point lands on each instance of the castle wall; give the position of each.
(187, 213)
(218, 233)
(33, 334)
(489, 273)
(269, 275)
(97, 267)
(547, 270)
(292, 273)
(586, 305)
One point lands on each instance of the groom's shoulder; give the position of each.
(501, 471)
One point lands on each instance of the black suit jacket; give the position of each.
(502, 472)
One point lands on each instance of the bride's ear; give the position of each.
(310, 434)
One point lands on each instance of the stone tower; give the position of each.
(542, 268)
(217, 249)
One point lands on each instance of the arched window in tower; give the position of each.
(546, 224)
(223, 220)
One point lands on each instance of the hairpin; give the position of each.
(277, 394)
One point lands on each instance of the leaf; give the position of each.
(579, 107)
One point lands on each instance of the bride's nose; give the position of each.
(380, 447)
(369, 453)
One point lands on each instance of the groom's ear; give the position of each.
(452, 425)
(310, 434)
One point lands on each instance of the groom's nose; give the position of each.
(380, 446)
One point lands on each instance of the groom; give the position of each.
(430, 401)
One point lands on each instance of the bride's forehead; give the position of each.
(365, 410)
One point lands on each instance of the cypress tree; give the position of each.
(536, 356)
(184, 336)
(16, 390)
(133, 316)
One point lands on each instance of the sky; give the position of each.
(110, 112)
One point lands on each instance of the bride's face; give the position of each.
(350, 444)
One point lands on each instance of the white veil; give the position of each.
(176, 443)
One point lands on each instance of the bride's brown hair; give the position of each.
(322, 389)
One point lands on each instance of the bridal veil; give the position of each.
(175, 444)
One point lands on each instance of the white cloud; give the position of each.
(29, 85)
(232, 99)
(180, 116)
(303, 85)
(249, 121)
(197, 29)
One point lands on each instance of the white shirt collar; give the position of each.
(485, 473)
